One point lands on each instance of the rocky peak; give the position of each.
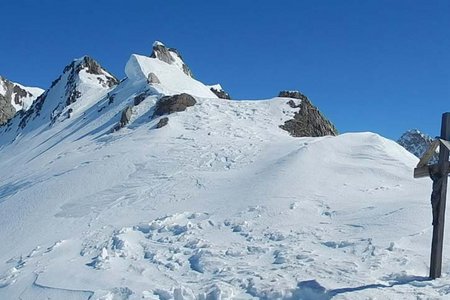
(308, 120)
(81, 76)
(292, 94)
(170, 56)
(220, 92)
(415, 142)
(15, 97)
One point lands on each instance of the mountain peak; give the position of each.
(415, 141)
(82, 77)
(15, 97)
(171, 56)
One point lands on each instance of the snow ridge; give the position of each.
(82, 83)
(220, 203)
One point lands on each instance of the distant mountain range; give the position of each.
(415, 142)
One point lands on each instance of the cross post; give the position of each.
(438, 199)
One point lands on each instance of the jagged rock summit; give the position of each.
(82, 83)
(308, 120)
(170, 56)
(15, 97)
(415, 142)
(220, 92)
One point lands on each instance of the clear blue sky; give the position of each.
(369, 65)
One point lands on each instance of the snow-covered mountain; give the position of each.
(415, 142)
(155, 188)
(15, 97)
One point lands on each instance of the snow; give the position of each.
(217, 87)
(2, 88)
(158, 43)
(172, 78)
(219, 204)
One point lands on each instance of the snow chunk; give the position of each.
(158, 43)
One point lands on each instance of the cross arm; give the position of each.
(425, 171)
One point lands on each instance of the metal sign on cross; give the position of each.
(439, 174)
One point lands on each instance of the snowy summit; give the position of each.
(154, 187)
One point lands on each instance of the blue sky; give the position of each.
(372, 65)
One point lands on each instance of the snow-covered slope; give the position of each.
(81, 85)
(15, 97)
(220, 203)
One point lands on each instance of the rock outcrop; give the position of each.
(7, 110)
(152, 78)
(308, 121)
(292, 94)
(15, 97)
(170, 104)
(125, 117)
(170, 56)
(220, 92)
(163, 122)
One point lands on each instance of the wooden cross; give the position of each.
(439, 174)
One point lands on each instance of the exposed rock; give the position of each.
(170, 104)
(125, 117)
(292, 94)
(220, 93)
(308, 121)
(416, 142)
(292, 104)
(152, 78)
(14, 97)
(139, 98)
(92, 67)
(7, 110)
(170, 56)
(163, 122)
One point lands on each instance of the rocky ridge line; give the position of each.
(308, 120)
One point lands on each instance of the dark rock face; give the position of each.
(92, 67)
(139, 98)
(7, 110)
(163, 122)
(417, 143)
(170, 104)
(292, 104)
(221, 93)
(125, 117)
(13, 94)
(308, 121)
(168, 55)
(292, 94)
